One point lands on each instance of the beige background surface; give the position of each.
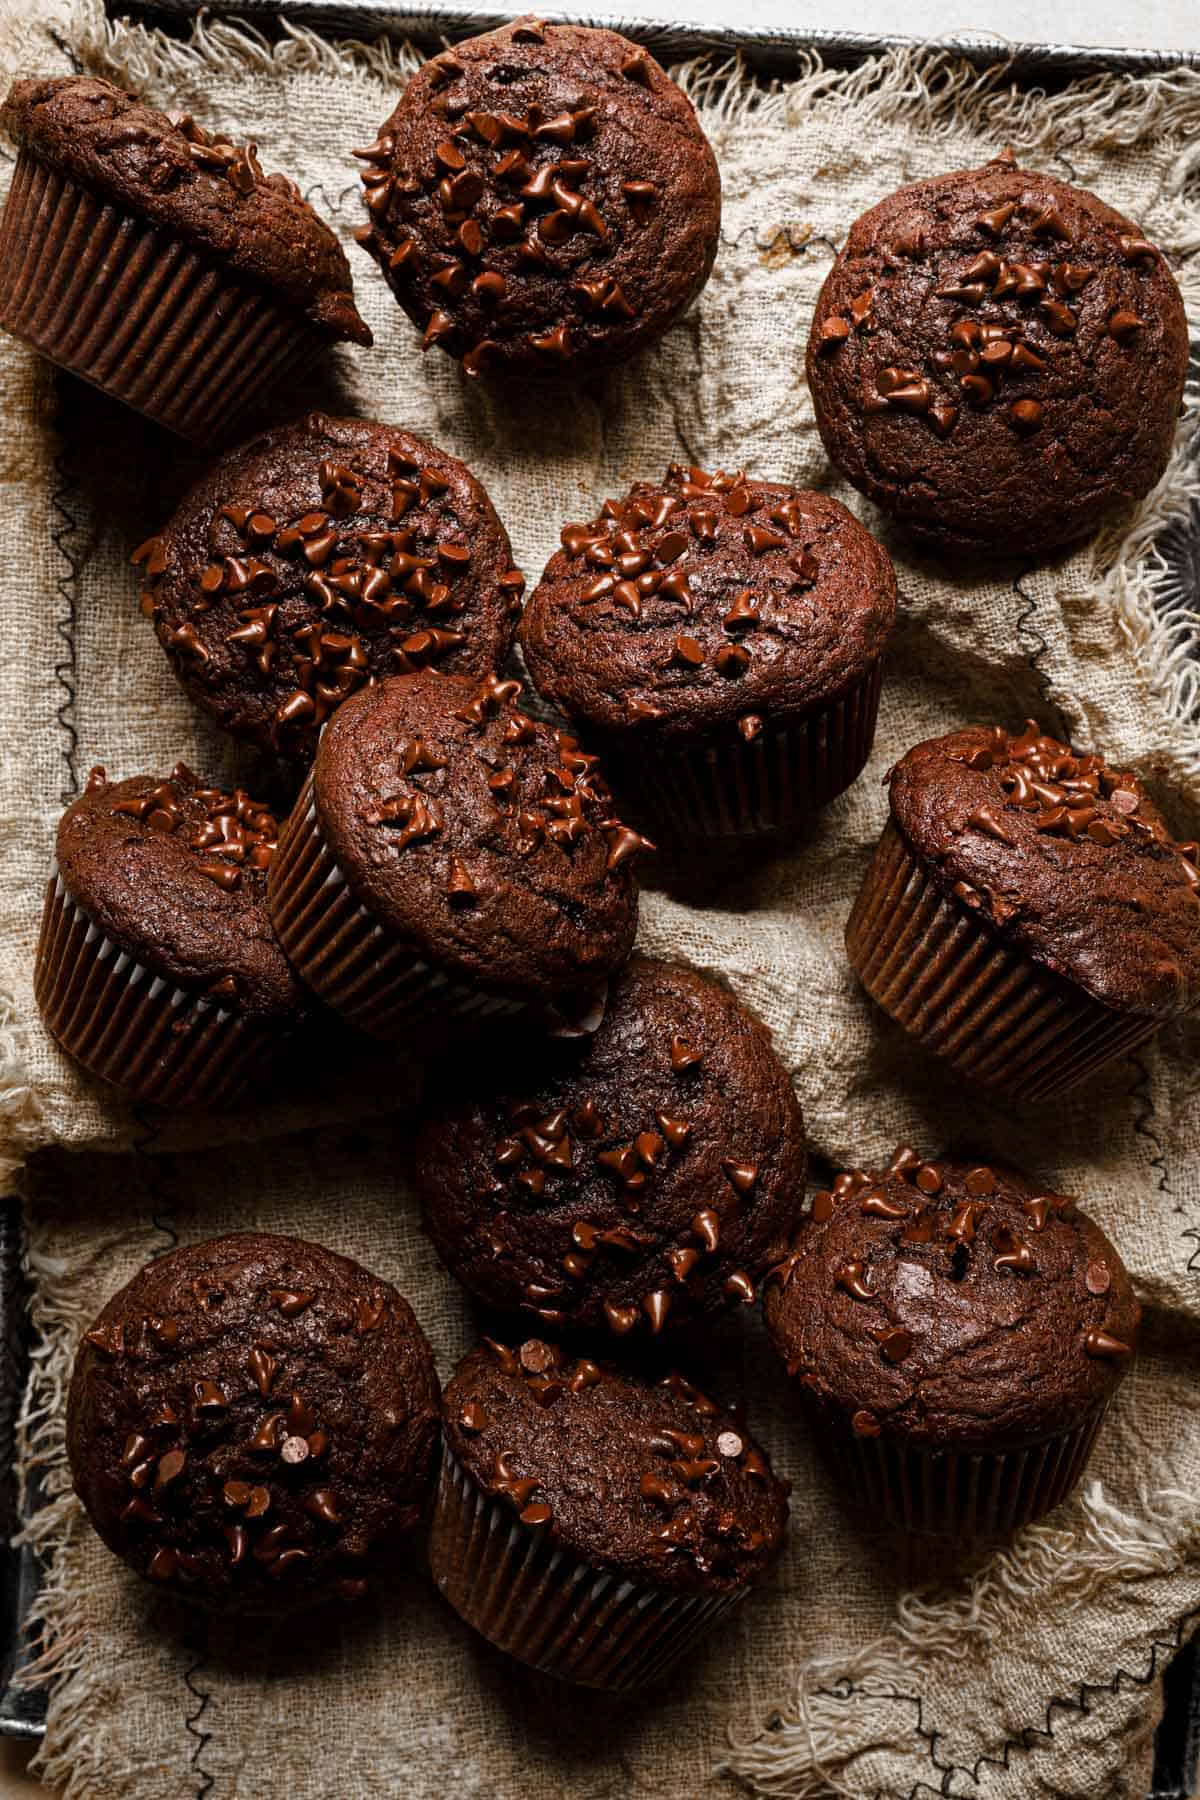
(405, 1700)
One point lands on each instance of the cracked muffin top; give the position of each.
(1063, 856)
(192, 183)
(251, 1420)
(706, 604)
(997, 359)
(648, 1478)
(542, 201)
(952, 1305)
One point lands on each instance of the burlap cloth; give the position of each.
(1027, 1672)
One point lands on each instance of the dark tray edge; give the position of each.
(771, 51)
(774, 53)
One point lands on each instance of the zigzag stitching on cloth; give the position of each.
(1041, 648)
(1140, 1092)
(162, 1200)
(66, 668)
(1022, 1739)
(192, 1721)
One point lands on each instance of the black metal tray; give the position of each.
(772, 54)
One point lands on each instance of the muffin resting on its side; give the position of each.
(1027, 914)
(956, 1334)
(321, 555)
(156, 260)
(543, 202)
(998, 360)
(251, 1421)
(642, 1177)
(720, 639)
(450, 857)
(591, 1521)
(157, 967)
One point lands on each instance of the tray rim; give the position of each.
(771, 48)
(769, 52)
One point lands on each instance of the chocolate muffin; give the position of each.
(157, 967)
(998, 360)
(644, 1176)
(156, 260)
(956, 1333)
(594, 1522)
(452, 858)
(543, 201)
(1027, 913)
(720, 638)
(252, 1422)
(321, 555)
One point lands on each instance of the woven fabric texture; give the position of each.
(863, 1669)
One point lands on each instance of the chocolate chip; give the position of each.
(895, 1343)
(1025, 416)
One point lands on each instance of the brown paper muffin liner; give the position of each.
(772, 783)
(947, 1493)
(138, 313)
(990, 1011)
(363, 972)
(134, 1028)
(547, 1608)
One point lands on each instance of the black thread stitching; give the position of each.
(67, 586)
(1024, 1739)
(1026, 628)
(776, 235)
(68, 50)
(158, 1188)
(318, 191)
(1140, 1091)
(204, 1700)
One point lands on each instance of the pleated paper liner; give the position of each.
(769, 784)
(947, 1493)
(366, 974)
(992, 1012)
(550, 1610)
(135, 1029)
(137, 312)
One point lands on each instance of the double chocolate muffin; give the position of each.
(157, 967)
(956, 1333)
(321, 555)
(642, 1177)
(543, 202)
(997, 359)
(594, 1522)
(156, 259)
(1027, 913)
(720, 638)
(451, 857)
(252, 1422)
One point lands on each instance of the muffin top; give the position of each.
(482, 837)
(191, 183)
(1067, 858)
(249, 1418)
(998, 358)
(542, 200)
(952, 1305)
(175, 873)
(648, 1478)
(708, 602)
(643, 1176)
(319, 555)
